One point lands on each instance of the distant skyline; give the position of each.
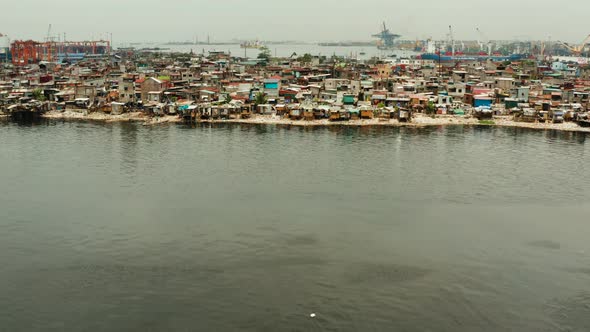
(303, 20)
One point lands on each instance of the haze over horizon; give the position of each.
(305, 20)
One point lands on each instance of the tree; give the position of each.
(430, 108)
(260, 99)
(38, 95)
(264, 54)
(306, 58)
(228, 99)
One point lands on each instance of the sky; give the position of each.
(302, 20)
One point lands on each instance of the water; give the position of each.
(287, 50)
(253, 228)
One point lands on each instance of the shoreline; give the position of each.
(418, 121)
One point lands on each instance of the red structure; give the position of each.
(29, 51)
(25, 52)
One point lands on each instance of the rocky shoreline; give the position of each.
(103, 117)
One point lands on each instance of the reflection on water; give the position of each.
(227, 227)
(128, 143)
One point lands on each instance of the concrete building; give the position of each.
(272, 87)
(127, 90)
(151, 84)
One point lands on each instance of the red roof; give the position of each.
(209, 88)
(238, 97)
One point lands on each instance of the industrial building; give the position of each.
(24, 52)
(4, 48)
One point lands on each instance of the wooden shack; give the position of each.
(117, 108)
(483, 113)
(246, 111)
(366, 112)
(321, 112)
(556, 116)
(526, 115)
(404, 115)
(334, 115)
(296, 114)
(308, 113)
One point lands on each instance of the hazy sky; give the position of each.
(309, 20)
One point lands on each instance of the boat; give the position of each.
(252, 44)
(471, 57)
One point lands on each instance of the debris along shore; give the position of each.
(125, 117)
(418, 121)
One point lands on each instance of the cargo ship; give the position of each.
(252, 44)
(446, 57)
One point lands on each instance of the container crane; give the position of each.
(452, 40)
(49, 54)
(577, 49)
(48, 38)
(486, 40)
(387, 38)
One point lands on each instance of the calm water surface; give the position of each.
(122, 227)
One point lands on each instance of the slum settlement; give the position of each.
(155, 86)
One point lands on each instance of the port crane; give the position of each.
(387, 38)
(48, 38)
(486, 40)
(452, 40)
(577, 49)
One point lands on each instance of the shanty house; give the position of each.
(151, 85)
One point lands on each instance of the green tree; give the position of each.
(260, 99)
(430, 108)
(227, 98)
(265, 54)
(38, 95)
(306, 58)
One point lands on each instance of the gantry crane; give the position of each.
(486, 40)
(577, 49)
(387, 38)
(452, 40)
